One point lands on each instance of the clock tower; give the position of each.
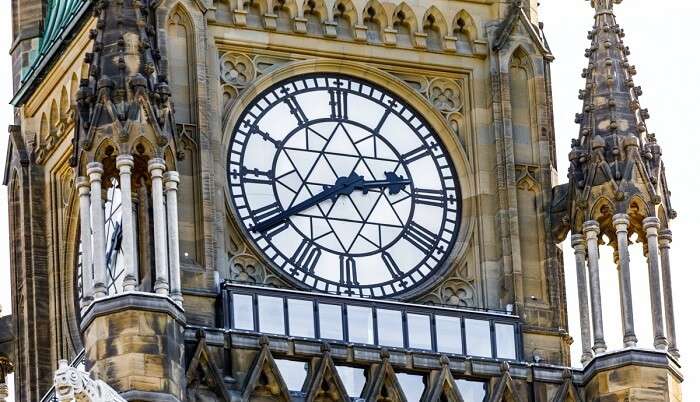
(304, 200)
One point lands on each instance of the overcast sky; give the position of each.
(661, 37)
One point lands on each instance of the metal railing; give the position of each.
(371, 322)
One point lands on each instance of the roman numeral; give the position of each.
(391, 265)
(422, 238)
(348, 271)
(435, 198)
(416, 154)
(295, 109)
(305, 257)
(339, 104)
(265, 212)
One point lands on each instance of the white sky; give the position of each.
(661, 38)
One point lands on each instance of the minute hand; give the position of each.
(342, 186)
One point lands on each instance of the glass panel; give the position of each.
(449, 334)
(478, 337)
(505, 341)
(271, 314)
(360, 327)
(412, 386)
(390, 328)
(472, 391)
(293, 372)
(353, 380)
(330, 321)
(301, 318)
(243, 312)
(419, 331)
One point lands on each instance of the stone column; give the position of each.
(82, 183)
(579, 244)
(651, 228)
(156, 166)
(97, 219)
(591, 229)
(665, 238)
(621, 222)
(125, 163)
(171, 181)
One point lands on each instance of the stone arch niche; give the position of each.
(375, 19)
(435, 27)
(523, 114)
(181, 62)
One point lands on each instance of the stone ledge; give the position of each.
(148, 396)
(364, 355)
(138, 301)
(631, 357)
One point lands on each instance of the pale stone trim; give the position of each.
(156, 166)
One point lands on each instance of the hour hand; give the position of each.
(393, 182)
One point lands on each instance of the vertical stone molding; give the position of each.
(125, 164)
(97, 220)
(665, 238)
(591, 229)
(172, 179)
(621, 223)
(156, 166)
(651, 228)
(82, 183)
(578, 242)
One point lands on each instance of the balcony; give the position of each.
(372, 323)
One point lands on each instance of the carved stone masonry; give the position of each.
(74, 385)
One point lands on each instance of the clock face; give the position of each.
(343, 186)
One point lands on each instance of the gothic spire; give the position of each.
(125, 78)
(615, 157)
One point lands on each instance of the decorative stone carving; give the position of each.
(446, 94)
(236, 69)
(72, 384)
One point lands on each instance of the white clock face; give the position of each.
(343, 186)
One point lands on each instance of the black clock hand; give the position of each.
(342, 186)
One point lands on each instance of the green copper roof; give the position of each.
(59, 14)
(61, 18)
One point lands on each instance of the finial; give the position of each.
(604, 5)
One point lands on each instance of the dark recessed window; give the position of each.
(360, 327)
(419, 331)
(505, 341)
(390, 328)
(330, 321)
(478, 337)
(301, 318)
(449, 334)
(271, 314)
(243, 312)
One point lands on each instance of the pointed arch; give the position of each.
(203, 371)
(54, 117)
(285, 10)
(64, 107)
(325, 382)
(264, 379)
(315, 15)
(345, 17)
(255, 10)
(435, 27)
(464, 29)
(504, 390)
(442, 386)
(375, 19)
(523, 108)
(383, 385)
(74, 84)
(404, 21)
(181, 62)
(603, 209)
(43, 129)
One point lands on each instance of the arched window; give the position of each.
(180, 65)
